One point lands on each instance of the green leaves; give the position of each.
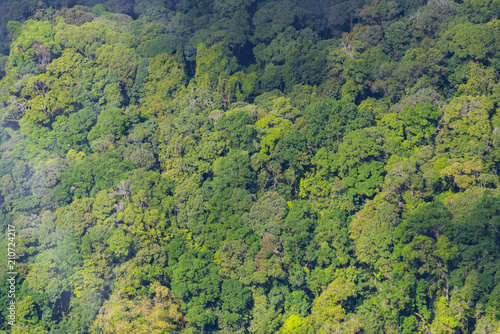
(472, 41)
(110, 121)
(267, 215)
(306, 168)
(89, 176)
(33, 50)
(412, 128)
(272, 128)
(211, 63)
(234, 170)
(165, 79)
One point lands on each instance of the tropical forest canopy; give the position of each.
(253, 166)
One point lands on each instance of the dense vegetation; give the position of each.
(253, 166)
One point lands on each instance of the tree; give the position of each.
(267, 215)
(34, 47)
(165, 79)
(156, 313)
(110, 121)
(211, 63)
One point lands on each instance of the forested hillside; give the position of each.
(250, 166)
